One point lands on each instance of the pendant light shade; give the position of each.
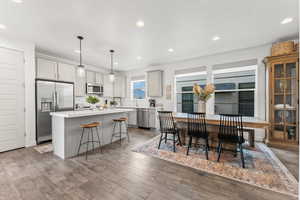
(111, 74)
(80, 68)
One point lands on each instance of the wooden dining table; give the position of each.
(249, 124)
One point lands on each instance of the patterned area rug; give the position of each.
(263, 168)
(44, 148)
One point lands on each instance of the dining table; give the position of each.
(213, 121)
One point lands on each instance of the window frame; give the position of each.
(238, 69)
(132, 90)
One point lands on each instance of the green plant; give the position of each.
(113, 103)
(92, 99)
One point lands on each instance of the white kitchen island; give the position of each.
(66, 131)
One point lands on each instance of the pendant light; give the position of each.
(111, 74)
(80, 68)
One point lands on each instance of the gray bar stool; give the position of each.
(119, 122)
(90, 132)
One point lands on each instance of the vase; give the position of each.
(202, 106)
(93, 106)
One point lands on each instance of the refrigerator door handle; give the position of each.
(54, 101)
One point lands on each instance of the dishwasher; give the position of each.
(146, 117)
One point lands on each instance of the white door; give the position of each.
(66, 72)
(12, 125)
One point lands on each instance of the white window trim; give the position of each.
(131, 89)
(237, 69)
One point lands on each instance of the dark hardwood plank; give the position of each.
(118, 173)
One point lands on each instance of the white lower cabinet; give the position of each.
(132, 118)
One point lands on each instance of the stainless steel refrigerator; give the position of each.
(51, 96)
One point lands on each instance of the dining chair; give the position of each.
(197, 129)
(231, 131)
(168, 127)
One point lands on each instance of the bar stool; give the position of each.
(90, 128)
(121, 121)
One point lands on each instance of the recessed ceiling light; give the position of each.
(2, 26)
(287, 20)
(140, 23)
(215, 38)
(170, 50)
(116, 63)
(77, 51)
(17, 1)
(139, 58)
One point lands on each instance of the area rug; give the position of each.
(44, 148)
(263, 168)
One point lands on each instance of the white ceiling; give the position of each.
(187, 26)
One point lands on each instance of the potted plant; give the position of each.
(113, 103)
(92, 100)
(203, 94)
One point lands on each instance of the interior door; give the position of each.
(12, 103)
(64, 96)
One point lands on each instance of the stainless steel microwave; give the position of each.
(92, 88)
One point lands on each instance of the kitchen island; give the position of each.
(66, 131)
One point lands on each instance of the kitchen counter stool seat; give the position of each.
(90, 132)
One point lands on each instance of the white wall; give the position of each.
(28, 49)
(238, 55)
(169, 69)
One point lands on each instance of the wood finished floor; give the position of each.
(118, 173)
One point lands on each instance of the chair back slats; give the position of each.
(231, 127)
(197, 125)
(166, 120)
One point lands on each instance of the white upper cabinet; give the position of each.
(94, 77)
(155, 83)
(99, 78)
(108, 87)
(46, 69)
(66, 72)
(80, 86)
(120, 86)
(90, 77)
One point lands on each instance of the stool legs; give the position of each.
(126, 126)
(99, 139)
(119, 133)
(80, 141)
(120, 129)
(90, 133)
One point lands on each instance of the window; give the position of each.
(234, 91)
(138, 89)
(186, 100)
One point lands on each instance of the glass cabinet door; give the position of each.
(285, 101)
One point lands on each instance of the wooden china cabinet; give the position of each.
(283, 100)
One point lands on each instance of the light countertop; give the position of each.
(136, 107)
(84, 113)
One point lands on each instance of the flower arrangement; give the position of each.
(92, 99)
(205, 93)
